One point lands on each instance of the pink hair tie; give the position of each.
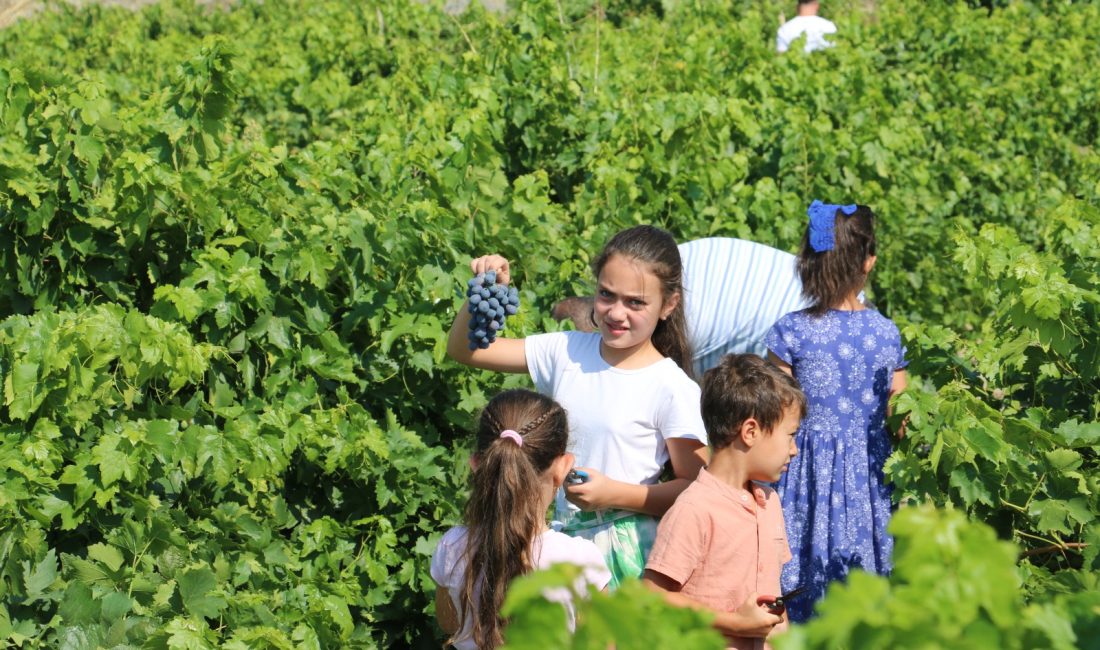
(508, 433)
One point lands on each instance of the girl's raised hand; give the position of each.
(505, 354)
(493, 262)
(593, 494)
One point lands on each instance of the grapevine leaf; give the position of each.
(1052, 515)
(109, 556)
(80, 637)
(194, 587)
(187, 634)
(39, 578)
(1079, 433)
(970, 486)
(115, 606)
(78, 605)
(89, 149)
(20, 390)
(1080, 511)
(337, 609)
(88, 573)
(986, 439)
(1063, 460)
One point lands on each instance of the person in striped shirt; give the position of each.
(734, 290)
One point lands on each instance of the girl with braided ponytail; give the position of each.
(520, 462)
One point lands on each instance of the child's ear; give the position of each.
(670, 305)
(475, 460)
(560, 468)
(750, 432)
(869, 264)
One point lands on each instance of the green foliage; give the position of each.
(140, 502)
(954, 585)
(231, 242)
(538, 621)
(1007, 430)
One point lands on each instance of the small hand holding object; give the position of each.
(755, 620)
(590, 491)
(778, 604)
(492, 263)
(576, 477)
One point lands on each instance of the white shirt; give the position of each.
(448, 569)
(618, 419)
(815, 28)
(734, 291)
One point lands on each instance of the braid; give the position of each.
(493, 421)
(534, 424)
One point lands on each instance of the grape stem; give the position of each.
(1053, 548)
(1037, 538)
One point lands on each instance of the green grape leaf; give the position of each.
(1079, 433)
(109, 556)
(195, 586)
(39, 578)
(1052, 515)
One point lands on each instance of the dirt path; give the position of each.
(13, 10)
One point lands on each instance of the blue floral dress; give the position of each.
(835, 499)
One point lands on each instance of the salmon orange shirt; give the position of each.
(722, 543)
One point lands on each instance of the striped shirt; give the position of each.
(735, 290)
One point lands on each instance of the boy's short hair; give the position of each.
(744, 386)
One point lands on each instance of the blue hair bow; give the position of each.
(823, 223)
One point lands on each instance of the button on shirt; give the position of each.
(722, 543)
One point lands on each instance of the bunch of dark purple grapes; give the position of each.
(490, 303)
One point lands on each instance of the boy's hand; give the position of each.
(754, 620)
(593, 494)
(487, 263)
(749, 620)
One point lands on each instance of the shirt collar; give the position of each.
(746, 498)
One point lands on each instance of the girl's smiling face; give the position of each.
(628, 308)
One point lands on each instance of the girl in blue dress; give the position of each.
(850, 361)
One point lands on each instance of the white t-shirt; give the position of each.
(815, 28)
(734, 291)
(449, 569)
(618, 419)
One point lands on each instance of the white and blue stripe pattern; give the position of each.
(735, 291)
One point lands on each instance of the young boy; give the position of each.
(723, 543)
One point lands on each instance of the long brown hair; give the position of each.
(829, 277)
(657, 249)
(503, 515)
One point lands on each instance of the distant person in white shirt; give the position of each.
(806, 22)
